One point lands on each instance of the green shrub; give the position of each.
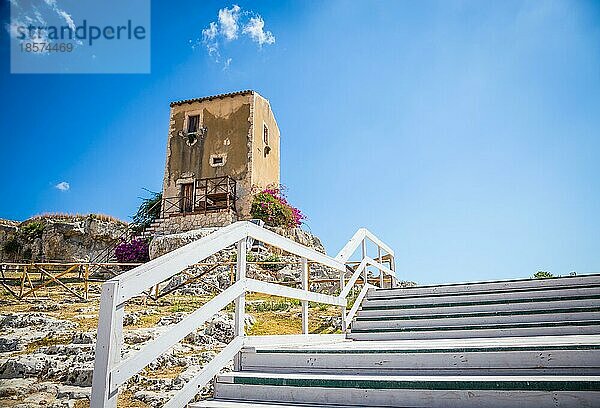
(542, 275)
(33, 229)
(250, 257)
(273, 267)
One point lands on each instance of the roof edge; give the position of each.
(218, 96)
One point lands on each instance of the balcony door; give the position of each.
(187, 197)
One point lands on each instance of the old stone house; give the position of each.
(218, 148)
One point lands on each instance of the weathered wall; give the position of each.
(265, 167)
(228, 121)
(234, 125)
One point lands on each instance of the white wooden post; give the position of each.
(363, 248)
(109, 342)
(380, 260)
(393, 268)
(240, 302)
(305, 287)
(342, 283)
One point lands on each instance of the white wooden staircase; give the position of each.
(519, 343)
(522, 343)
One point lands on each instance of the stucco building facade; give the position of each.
(218, 149)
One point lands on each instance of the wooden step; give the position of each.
(478, 331)
(549, 295)
(534, 356)
(413, 391)
(476, 319)
(482, 308)
(489, 286)
(221, 403)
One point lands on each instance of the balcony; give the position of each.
(206, 195)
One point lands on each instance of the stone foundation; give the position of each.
(182, 223)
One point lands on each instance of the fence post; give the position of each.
(86, 283)
(108, 346)
(304, 275)
(393, 268)
(23, 282)
(342, 284)
(363, 248)
(240, 302)
(380, 260)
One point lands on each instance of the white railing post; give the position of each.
(393, 284)
(304, 275)
(342, 283)
(109, 342)
(240, 302)
(363, 249)
(380, 260)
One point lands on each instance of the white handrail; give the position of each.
(357, 303)
(361, 267)
(110, 372)
(358, 237)
(134, 364)
(189, 390)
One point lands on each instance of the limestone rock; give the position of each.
(84, 338)
(15, 386)
(73, 392)
(66, 238)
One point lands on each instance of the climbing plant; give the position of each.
(148, 211)
(271, 206)
(133, 251)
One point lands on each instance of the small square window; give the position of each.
(217, 160)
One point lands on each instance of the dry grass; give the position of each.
(274, 315)
(70, 216)
(168, 372)
(46, 341)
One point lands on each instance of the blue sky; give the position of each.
(464, 133)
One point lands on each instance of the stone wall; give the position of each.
(177, 224)
(161, 245)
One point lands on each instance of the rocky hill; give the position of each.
(58, 237)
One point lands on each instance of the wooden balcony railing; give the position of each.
(209, 194)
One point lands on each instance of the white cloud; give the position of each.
(211, 32)
(209, 38)
(37, 19)
(63, 186)
(67, 17)
(12, 27)
(228, 20)
(255, 29)
(227, 29)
